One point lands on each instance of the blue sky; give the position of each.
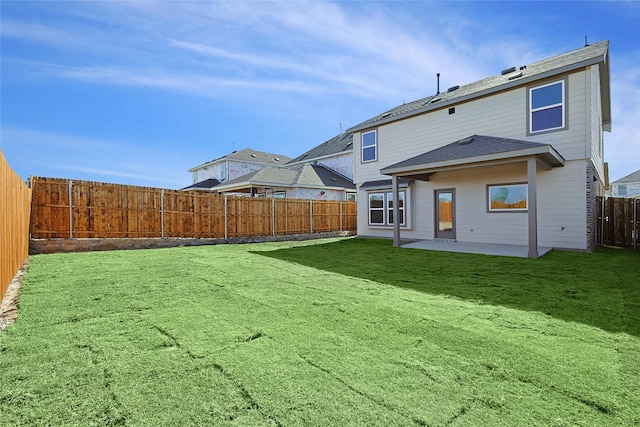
(139, 92)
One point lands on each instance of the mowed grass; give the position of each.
(324, 333)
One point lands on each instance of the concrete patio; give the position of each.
(475, 248)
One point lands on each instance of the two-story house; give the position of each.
(516, 158)
(232, 166)
(323, 173)
(627, 186)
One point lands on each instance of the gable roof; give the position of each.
(304, 175)
(596, 53)
(248, 155)
(338, 144)
(475, 149)
(632, 177)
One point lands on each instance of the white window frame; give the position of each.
(374, 146)
(562, 104)
(507, 209)
(386, 208)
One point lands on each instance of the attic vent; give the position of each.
(253, 155)
(508, 71)
(434, 100)
(276, 159)
(516, 76)
(452, 88)
(464, 141)
(387, 114)
(305, 154)
(333, 179)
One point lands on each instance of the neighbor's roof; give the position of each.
(249, 155)
(305, 175)
(632, 177)
(336, 145)
(596, 53)
(207, 184)
(474, 149)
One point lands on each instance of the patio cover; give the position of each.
(477, 151)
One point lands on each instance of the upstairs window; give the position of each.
(547, 107)
(369, 146)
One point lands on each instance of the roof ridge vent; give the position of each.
(464, 141)
(452, 88)
(508, 71)
(434, 100)
(516, 76)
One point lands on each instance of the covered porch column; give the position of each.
(532, 208)
(396, 211)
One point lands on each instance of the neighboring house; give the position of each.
(628, 186)
(336, 154)
(516, 158)
(323, 173)
(302, 181)
(232, 166)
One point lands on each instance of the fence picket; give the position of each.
(618, 222)
(15, 208)
(102, 210)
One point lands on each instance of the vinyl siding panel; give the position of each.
(572, 142)
(595, 114)
(503, 115)
(561, 208)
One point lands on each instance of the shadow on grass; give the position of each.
(600, 289)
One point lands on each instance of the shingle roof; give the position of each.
(337, 144)
(249, 155)
(522, 75)
(305, 175)
(207, 184)
(472, 147)
(632, 177)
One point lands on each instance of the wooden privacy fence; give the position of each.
(618, 222)
(15, 205)
(80, 209)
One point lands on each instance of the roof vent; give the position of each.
(434, 100)
(516, 76)
(276, 159)
(508, 71)
(387, 114)
(464, 141)
(452, 88)
(333, 179)
(253, 155)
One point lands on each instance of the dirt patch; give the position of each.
(9, 307)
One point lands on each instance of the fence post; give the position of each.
(226, 234)
(162, 213)
(340, 214)
(70, 209)
(634, 228)
(273, 216)
(311, 216)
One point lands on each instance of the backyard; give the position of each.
(328, 332)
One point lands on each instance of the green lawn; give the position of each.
(324, 333)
